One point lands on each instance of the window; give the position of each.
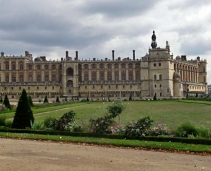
(93, 76)
(86, 66)
(116, 76)
(21, 66)
(155, 77)
(109, 86)
(7, 78)
(45, 88)
(154, 64)
(86, 77)
(123, 76)
(204, 79)
(46, 67)
(159, 64)
(5, 88)
(7, 67)
(109, 66)
(101, 86)
(155, 85)
(21, 78)
(93, 87)
(38, 78)
(203, 69)
(160, 85)
(160, 77)
(30, 67)
(116, 86)
(123, 65)
(116, 66)
(30, 78)
(101, 66)
(123, 86)
(14, 78)
(53, 77)
(53, 87)
(85, 87)
(46, 78)
(137, 76)
(93, 66)
(160, 94)
(130, 76)
(13, 67)
(109, 77)
(53, 66)
(19, 88)
(37, 88)
(101, 76)
(12, 88)
(137, 65)
(131, 86)
(130, 66)
(38, 67)
(28, 88)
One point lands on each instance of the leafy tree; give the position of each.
(45, 100)
(6, 102)
(57, 100)
(23, 116)
(30, 101)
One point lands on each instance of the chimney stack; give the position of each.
(67, 55)
(113, 55)
(76, 55)
(26, 53)
(2, 54)
(134, 55)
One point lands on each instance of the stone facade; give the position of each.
(155, 73)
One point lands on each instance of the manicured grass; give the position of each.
(114, 142)
(172, 112)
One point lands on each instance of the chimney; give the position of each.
(113, 55)
(76, 55)
(198, 58)
(67, 55)
(26, 53)
(134, 55)
(94, 59)
(106, 59)
(61, 59)
(2, 54)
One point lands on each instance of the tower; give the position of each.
(154, 43)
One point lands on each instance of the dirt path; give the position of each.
(25, 155)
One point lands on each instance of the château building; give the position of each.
(157, 73)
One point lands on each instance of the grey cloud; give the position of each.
(118, 8)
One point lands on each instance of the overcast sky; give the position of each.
(96, 27)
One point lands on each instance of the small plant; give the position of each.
(38, 126)
(185, 130)
(140, 128)
(48, 121)
(8, 124)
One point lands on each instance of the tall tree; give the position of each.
(23, 116)
(57, 100)
(6, 102)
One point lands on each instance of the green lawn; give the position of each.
(172, 113)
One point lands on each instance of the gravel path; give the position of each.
(25, 155)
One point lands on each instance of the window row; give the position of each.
(109, 86)
(158, 77)
(93, 77)
(109, 66)
(30, 78)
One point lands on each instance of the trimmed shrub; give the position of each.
(23, 116)
(45, 100)
(160, 129)
(57, 100)
(6, 102)
(30, 101)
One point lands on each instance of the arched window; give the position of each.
(53, 66)
(69, 83)
(123, 65)
(155, 77)
(123, 76)
(14, 78)
(160, 77)
(137, 65)
(69, 72)
(116, 66)
(101, 66)
(131, 76)
(102, 76)
(109, 66)
(46, 67)
(86, 66)
(21, 79)
(137, 76)
(109, 76)
(93, 76)
(116, 76)
(13, 67)
(21, 66)
(93, 66)
(130, 65)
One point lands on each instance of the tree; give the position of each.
(45, 100)
(155, 97)
(6, 102)
(23, 116)
(30, 101)
(1, 100)
(57, 100)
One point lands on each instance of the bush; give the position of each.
(2, 120)
(140, 128)
(203, 132)
(48, 121)
(8, 124)
(185, 130)
(6, 102)
(160, 129)
(38, 126)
